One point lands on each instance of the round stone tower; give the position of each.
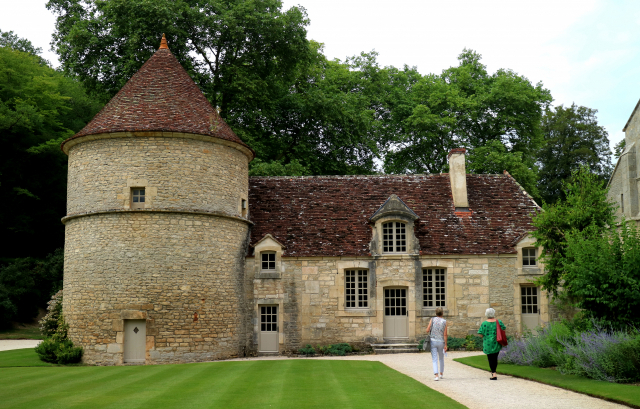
(156, 225)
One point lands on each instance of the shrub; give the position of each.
(543, 349)
(308, 350)
(603, 355)
(454, 343)
(56, 347)
(61, 352)
(335, 349)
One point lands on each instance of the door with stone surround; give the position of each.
(268, 334)
(135, 340)
(530, 308)
(396, 318)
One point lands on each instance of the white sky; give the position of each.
(583, 51)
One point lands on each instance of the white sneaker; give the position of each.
(436, 378)
(441, 376)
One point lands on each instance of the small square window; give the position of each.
(529, 257)
(268, 261)
(137, 198)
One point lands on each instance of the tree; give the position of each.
(39, 108)
(573, 138)
(27, 284)
(494, 158)
(466, 107)
(239, 52)
(586, 209)
(9, 39)
(619, 148)
(603, 274)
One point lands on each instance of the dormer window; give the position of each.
(268, 261)
(394, 237)
(529, 257)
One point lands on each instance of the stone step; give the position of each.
(395, 351)
(393, 345)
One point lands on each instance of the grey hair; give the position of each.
(490, 313)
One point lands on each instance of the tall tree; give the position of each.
(495, 158)
(573, 139)
(39, 107)
(586, 209)
(466, 106)
(238, 51)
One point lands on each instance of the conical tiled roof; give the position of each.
(161, 96)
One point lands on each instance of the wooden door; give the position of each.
(530, 308)
(268, 335)
(396, 319)
(135, 340)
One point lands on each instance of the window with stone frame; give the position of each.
(137, 198)
(434, 287)
(356, 288)
(529, 257)
(268, 261)
(394, 237)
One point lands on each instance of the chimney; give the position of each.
(458, 177)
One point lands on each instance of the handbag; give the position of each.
(426, 344)
(501, 336)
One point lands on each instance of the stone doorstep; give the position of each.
(392, 345)
(395, 351)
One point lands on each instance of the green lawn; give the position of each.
(22, 332)
(621, 393)
(299, 383)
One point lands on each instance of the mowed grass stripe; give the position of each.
(616, 392)
(257, 384)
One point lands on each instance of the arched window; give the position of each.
(394, 237)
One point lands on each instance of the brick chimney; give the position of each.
(458, 177)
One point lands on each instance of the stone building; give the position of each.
(624, 185)
(173, 254)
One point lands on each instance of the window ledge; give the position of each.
(431, 312)
(531, 270)
(356, 313)
(268, 275)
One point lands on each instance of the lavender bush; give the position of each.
(603, 355)
(597, 353)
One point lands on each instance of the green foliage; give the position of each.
(52, 325)
(9, 39)
(307, 350)
(602, 274)
(27, 284)
(39, 107)
(454, 343)
(59, 351)
(495, 158)
(586, 205)
(335, 349)
(465, 106)
(276, 168)
(573, 139)
(619, 148)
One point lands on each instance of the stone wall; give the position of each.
(311, 294)
(181, 272)
(178, 173)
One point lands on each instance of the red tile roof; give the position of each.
(329, 215)
(161, 96)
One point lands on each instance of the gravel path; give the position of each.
(8, 344)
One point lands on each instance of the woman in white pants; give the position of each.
(437, 330)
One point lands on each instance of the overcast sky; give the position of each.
(585, 51)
